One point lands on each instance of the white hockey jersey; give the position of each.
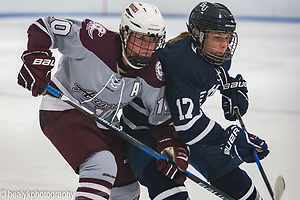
(87, 70)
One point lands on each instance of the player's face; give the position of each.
(141, 45)
(216, 43)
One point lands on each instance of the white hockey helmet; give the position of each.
(144, 19)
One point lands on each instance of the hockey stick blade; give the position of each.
(279, 187)
(280, 183)
(133, 141)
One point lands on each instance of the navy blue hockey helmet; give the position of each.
(216, 17)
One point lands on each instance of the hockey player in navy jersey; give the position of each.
(195, 66)
(104, 71)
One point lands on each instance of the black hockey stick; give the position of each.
(133, 141)
(279, 185)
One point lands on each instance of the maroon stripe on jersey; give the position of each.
(96, 181)
(82, 198)
(37, 38)
(93, 191)
(40, 21)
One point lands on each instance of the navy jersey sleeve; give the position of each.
(189, 81)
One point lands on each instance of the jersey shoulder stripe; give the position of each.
(105, 44)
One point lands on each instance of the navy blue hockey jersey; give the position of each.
(190, 79)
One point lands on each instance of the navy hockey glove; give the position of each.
(237, 142)
(234, 93)
(177, 152)
(35, 73)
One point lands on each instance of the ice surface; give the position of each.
(267, 56)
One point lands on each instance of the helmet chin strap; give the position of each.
(127, 61)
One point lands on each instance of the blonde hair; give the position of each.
(179, 37)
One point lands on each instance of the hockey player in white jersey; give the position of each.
(104, 71)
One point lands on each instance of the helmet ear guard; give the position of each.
(196, 39)
(207, 17)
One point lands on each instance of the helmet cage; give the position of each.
(146, 53)
(213, 58)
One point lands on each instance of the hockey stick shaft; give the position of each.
(133, 141)
(259, 165)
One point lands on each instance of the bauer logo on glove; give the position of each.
(45, 62)
(234, 93)
(35, 73)
(237, 142)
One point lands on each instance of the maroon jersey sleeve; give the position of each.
(105, 44)
(37, 36)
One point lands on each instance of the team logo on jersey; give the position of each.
(92, 26)
(159, 73)
(102, 108)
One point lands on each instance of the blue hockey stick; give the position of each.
(260, 167)
(133, 141)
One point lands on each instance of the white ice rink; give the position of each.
(267, 56)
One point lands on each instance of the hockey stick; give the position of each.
(279, 184)
(279, 188)
(133, 141)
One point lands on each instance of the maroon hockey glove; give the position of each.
(35, 73)
(177, 152)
